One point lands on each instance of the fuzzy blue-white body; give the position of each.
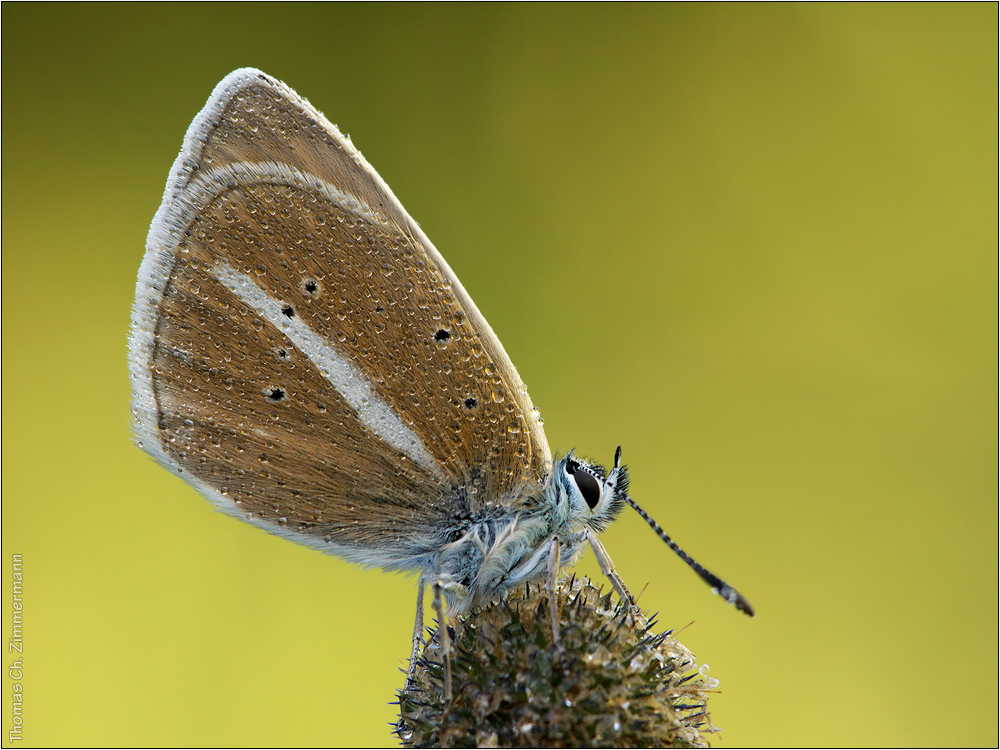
(512, 544)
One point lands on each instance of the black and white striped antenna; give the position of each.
(719, 586)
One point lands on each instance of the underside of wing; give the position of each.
(303, 355)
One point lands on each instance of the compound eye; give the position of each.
(589, 487)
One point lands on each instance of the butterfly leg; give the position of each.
(550, 585)
(608, 568)
(443, 641)
(418, 633)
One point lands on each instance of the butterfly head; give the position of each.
(594, 495)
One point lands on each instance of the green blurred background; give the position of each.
(755, 245)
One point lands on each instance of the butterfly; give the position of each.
(303, 356)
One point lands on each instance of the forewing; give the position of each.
(302, 354)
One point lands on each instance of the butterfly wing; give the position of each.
(301, 353)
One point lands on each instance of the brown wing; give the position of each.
(302, 354)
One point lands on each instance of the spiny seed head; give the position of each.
(611, 681)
